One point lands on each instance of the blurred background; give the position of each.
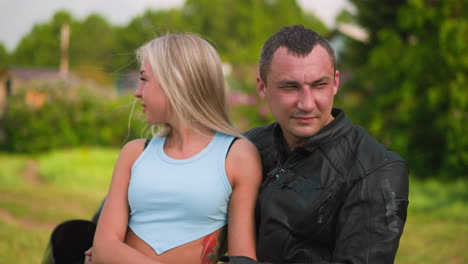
(68, 72)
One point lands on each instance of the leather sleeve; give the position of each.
(373, 216)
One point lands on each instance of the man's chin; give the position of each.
(305, 133)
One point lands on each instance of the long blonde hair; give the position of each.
(189, 71)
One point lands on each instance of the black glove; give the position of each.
(238, 260)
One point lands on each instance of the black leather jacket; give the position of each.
(341, 198)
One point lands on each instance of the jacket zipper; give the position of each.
(276, 176)
(318, 212)
(266, 187)
(273, 176)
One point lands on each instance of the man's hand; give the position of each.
(238, 260)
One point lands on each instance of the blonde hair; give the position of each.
(189, 72)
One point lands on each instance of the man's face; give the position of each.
(300, 92)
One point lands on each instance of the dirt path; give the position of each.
(8, 218)
(33, 202)
(31, 173)
(31, 176)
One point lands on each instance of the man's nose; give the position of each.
(306, 101)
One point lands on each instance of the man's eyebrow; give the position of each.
(322, 79)
(141, 72)
(286, 82)
(289, 82)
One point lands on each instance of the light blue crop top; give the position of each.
(174, 202)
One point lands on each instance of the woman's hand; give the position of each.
(88, 255)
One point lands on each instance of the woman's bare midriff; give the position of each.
(201, 251)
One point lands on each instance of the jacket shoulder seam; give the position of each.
(329, 161)
(381, 165)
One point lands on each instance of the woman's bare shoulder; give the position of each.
(243, 149)
(243, 162)
(132, 149)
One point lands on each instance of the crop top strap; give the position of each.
(230, 145)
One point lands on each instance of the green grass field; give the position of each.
(38, 192)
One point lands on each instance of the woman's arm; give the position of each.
(244, 170)
(109, 246)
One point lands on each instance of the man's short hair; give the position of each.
(296, 39)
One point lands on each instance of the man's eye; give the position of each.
(321, 85)
(142, 79)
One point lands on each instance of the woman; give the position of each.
(170, 202)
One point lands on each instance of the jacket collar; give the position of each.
(335, 129)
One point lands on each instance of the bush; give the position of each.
(42, 118)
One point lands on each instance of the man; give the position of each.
(331, 193)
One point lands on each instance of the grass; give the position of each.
(79, 169)
(21, 244)
(39, 192)
(437, 227)
(427, 240)
(11, 167)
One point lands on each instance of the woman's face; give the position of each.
(153, 99)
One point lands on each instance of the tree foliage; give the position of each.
(411, 78)
(55, 116)
(41, 47)
(237, 28)
(138, 31)
(4, 57)
(92, 41)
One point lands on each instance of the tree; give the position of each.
(91, 41)
(92, 46)
(41, 47)
(4, 57)
(140, 30)
(238, 28)
(411, 80)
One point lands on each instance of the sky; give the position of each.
(17, 17)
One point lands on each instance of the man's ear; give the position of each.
(260, 87)
(336, 86)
